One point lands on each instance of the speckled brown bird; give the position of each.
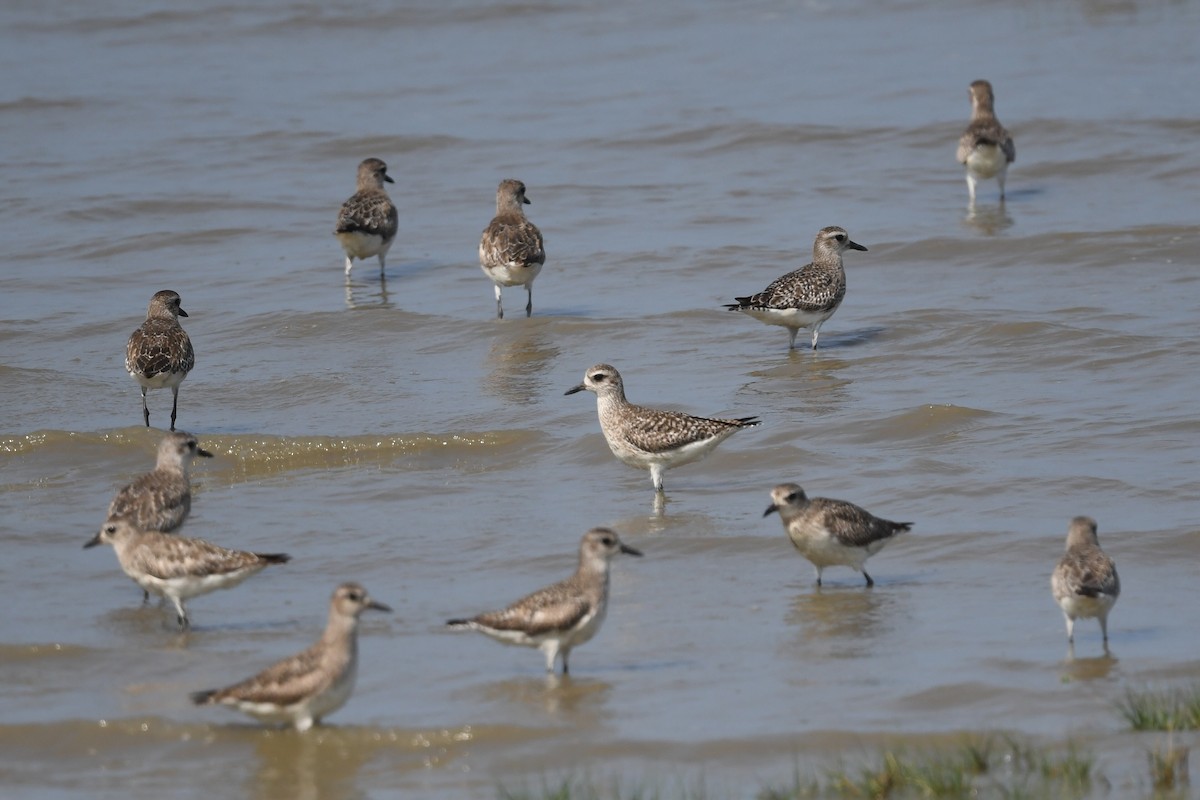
(159, 353)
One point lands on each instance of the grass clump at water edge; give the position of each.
(1162, 710)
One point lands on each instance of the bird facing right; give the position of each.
(367, 222)
(511, 251)
(159, 353)
(564, 615)
(1085, 582)
(806, 297)
(831, 532)
(161, 499)
(301, 690)
(985, 147)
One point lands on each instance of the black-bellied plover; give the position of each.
(985, 147)
(1085, 582)
(650, 438)
(831, 532)
(176, 567)
(301, 690)
(161, 499)
(563, 616)
(159, 353)
(806, 297)
(511, 251)
(366, 223)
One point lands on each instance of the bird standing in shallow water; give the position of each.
(806, 297)
(159, 353)
(650, 438)
(511, 251)
(564, 615)
(367, 222)
(1085, 582)
(301, 690)
(831, 532)
(985, 148)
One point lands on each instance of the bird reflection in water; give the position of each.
(518, 361)
(1095, 668)
(583, 699)
(988, 220)
(362, 295)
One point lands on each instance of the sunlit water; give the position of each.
(989, 376)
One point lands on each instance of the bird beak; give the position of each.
(182, 313)
(855, 246)
(387, 178)
(379, 606)
(627, 550)
(575, 389)
(770, 510)
(203, 453)
(95, 540)
(526, 201)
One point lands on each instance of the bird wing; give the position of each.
(286, 682)
(177, 557)
(551, 609)
(654, 431)
(159, 346)
(515, 242)
(855, 526)
(372, 213)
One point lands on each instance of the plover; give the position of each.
(985, 147)
(159, 353)
(366, 224)
(1085, 582)
(806, 297)
(650, 438)
(563, 616)
(161, 499)
(831, 532)
(511, 251)
(176, 567)
(301, 690)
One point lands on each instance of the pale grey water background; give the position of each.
(987, 377)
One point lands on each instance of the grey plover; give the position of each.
(1085, 582)
(159, 353)
(650, 438)
(511, 251)
(176, 567)
(806, 297)
(563, 616)
(831, 532)
(367, 222)
(161, 499)
(985, 147)
(301, 690)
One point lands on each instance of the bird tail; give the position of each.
(748, 422)
(901, 527)
(458, 623)
(203, 698)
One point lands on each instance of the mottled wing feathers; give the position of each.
(152, 503)
(555, 608)
(371, 212)
(807, 288)
(1089, 574)
(285, 683)
(512, 242)
(177, 557)
(159, 346)
(852, 525)
(985, 132)
(655, 431)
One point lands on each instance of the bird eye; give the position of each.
(791, 498)
(598, 377)
(840, 237)
(607, 541)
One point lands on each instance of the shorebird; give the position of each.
(650, 438)
(301, 690)
(161, 499)
(806, 297)
(985, 147)
(563, 616)
(159, 353)
(1085, 582)
(511, 251)
(176, 567)
(366, 224)
(831, 532)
